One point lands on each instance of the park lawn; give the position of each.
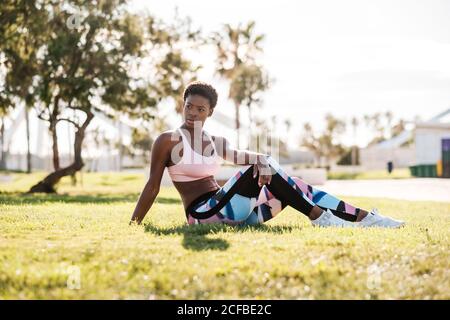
(46, 240)
(401, 173)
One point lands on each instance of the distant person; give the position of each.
(253, 195)
(390, 167)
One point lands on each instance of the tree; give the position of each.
(247, 86)
(351, 157)
(174, 71)
(382, 125)
(27, 126)
(311, 142)
(89, 55)
(326, 145)
(398, 128)
(89, 63)
(388, 117)
(141, 145)
(5, 106)
(236, 46)
(22, 32)
(354, 151)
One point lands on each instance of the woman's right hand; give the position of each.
(263, 168)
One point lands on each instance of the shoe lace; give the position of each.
(325, 218)
(375, 212)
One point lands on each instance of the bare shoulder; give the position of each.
(168, 138)
(169, 135)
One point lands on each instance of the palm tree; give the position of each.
(246, 88)
(235, 47)
(355, 123)
(389, 116)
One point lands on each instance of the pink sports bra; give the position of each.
(194, 166)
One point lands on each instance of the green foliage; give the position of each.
(236, 45)
(141, 144)
(347, 157)
(73, 59)
(237, 49)
(326, 144)
(381, 124)
(92, 63)
(247, 85)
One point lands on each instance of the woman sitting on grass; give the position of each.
(253, 195)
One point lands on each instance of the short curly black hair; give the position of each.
(202, 89)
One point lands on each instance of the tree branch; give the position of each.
(75, 108)
(70, 121)
(41, 116)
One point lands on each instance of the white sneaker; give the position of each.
(374, 219)
(328, 219)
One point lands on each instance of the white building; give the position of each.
(426, 148)
(429, 136)
(396, 150)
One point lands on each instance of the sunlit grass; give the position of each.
(43, 237)
(402, 173)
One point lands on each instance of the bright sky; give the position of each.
(344, 57)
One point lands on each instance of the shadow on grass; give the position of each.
(18, 198)
(195, 236)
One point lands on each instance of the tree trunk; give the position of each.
(73, 178)
(120, 145)
(52, 129)
(354, 156)
(238, 125)
(2, 141)
(27, 123)
(47, 185)
(250, 120)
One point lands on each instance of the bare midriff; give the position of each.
(191, 190)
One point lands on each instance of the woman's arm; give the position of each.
(160, 155)
(241, 157)
(245, 157)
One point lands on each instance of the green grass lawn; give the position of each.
(46, 241)
(401, 173)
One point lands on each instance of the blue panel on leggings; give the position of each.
(229, 211)
(252, 219)
(212, 202)
(318, 196)
(240, 207)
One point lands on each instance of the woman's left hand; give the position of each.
(265, 174)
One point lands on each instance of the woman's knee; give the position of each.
(239, 208)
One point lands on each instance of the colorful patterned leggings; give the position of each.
(242, 201)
